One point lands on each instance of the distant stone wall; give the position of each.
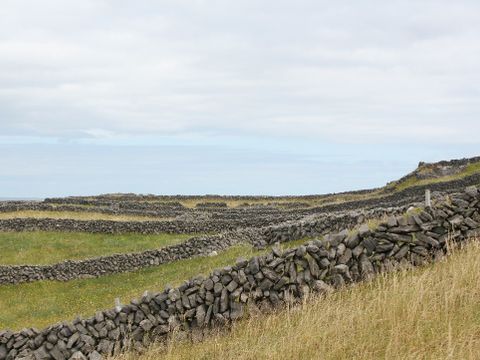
(403, 197)
(141, 227)
(105, 265)
(261, 282)
(196, 246)
(317, 225)
(112, 209)
(208, 219)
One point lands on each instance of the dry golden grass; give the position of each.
(426, 313)
(76, 215)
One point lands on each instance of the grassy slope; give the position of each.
(339, 198)
(51, 247)
(428, 313)
(43, 303)
(469, 170)
(77, 215)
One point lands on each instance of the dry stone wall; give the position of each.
(403, 197)
(213, 219)
(264, 281)
(196, 246)
(100, 266)
(141, 227)
(317, 225)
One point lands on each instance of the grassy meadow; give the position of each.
(43, 303)
(42, 248)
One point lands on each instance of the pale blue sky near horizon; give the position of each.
(225, 97)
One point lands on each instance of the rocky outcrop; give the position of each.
(265, 281)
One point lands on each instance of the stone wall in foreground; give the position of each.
(264, 281)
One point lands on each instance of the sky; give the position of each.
(232, 97)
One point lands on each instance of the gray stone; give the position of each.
(146, 325)
(266, 284)
(301, 251)
(52, 338)
(427, 240)
(174, 294)
(392, 221)
(352, 240)
(41, 353)
(94, 356)
(57, 354)
(363, 230)
(270, 274)
(200, 315)
(232, 286)
(321, 286)
(336, 239)
(324, 263)
(254, 266)
(208, 284)
(3, 352)
(78, 356)
(402, 252)
(345, 258)
(313, 266)
(224, 301)
(236, 310)
(471, 223)
(456, 220)
(312, 249)
(217, 289)
(472, 191)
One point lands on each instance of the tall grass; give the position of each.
(426, 313)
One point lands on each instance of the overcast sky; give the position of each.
(274, 97)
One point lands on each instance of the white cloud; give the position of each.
(351, 71)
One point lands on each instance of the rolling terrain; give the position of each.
(67, 258)
(424, 313)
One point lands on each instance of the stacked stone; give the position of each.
(142, 227)
(105, 265)
(319, 225)
(264, 281)
(196, 246)
(400, 198)
(212, 205)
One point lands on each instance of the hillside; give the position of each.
(424, 174)
(425, 313)
(203, 262)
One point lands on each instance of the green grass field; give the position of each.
(52, 247)
(44, 303)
